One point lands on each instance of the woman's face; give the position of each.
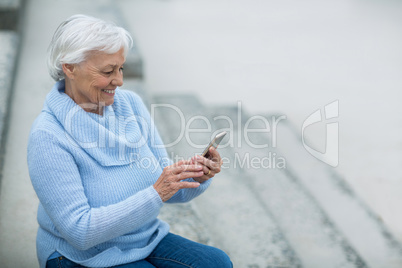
(94, 81)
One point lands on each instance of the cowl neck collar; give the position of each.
(111, 139)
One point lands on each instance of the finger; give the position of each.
(215, 156)
(188, 184)
(201, 179)
(176, 169)
(208, 172)
(187, 175)
(205, 170)
(187, 168)
(204, 177)
(200, 160)
(216, 161)
(210, 164)
(183, 162)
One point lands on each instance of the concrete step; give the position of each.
(9, 44)
(185, 221)
(10, 13)
(281, 191)
(305, 203)
(230, 209)
(8, 53)
(301, 219)
(363, 229)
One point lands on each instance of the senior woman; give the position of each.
(98, 206)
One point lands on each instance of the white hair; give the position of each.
(80, 35)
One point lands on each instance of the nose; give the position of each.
(118, 79)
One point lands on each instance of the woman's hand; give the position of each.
(171, 179)
(210, 166)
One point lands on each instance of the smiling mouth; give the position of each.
(110, 91)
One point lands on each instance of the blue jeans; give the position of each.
(172, 252)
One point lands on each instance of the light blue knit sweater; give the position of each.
(94, 177)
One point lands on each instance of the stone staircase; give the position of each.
(269, 207)
(10, 38)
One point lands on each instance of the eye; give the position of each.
(121, 69)
(108, 73)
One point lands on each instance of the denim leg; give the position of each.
(53, 263)
(137, 264)
(62, 262)
(177, 252)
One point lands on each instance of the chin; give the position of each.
(110, 102)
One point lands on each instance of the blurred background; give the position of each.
(292, 58)
(288, 58)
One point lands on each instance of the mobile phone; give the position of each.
(214, 143)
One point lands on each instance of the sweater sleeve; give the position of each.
(155, 143)
(57, 182)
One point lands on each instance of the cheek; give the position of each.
(101, 83)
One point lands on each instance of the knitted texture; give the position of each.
(94, 177)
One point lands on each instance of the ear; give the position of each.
(69, 70)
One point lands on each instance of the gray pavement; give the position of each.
(306, 215)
